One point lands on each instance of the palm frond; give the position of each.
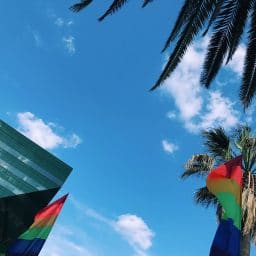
(225, 27)
(114, 7)
(199, 164)
(242, 136)
(196, 21)
(248, 87)
(186, 12)
(218, 144)
(245, 142)
(214, 15)
(80, 6)
(146, 2)
(243, 10)
(205, 198)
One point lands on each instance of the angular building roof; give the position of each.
(26, 167)
(29, 178)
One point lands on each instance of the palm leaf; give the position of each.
(80, 6)
(204, 197)
(241, 136)
(248, 87)
(202, 11)
(115, 6)
(218, 144)
(244, 8)
(214, 15)
(187, 10)
(219, 44)
(246, 144)
(146, 2)
(199, 165)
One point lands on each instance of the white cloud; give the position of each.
(69, 23)
(63, 25)
(59, 22)
(171, 115)
(249, 114)
(69, 44)
(43, 134)
(237, 62)
(198, 108)
(220, 111)
(169, 147)
(135, 231)
(132, 228)
(72, 141)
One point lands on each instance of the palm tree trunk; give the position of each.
(245, 245)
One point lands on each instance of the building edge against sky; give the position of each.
(29, 178)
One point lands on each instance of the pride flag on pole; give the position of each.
(225, 182)
(31, 242)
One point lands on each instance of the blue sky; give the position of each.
(79, 88)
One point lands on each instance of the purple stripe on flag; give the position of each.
(26, 247)
(227, 240)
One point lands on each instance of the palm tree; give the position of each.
(222, 147)
(225, 20)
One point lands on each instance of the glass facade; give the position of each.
(26, 167)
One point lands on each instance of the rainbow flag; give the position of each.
(225, 182)
(31, 242)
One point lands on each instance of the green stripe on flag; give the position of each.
(36, 232)
(231, 208)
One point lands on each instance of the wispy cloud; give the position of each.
(197, 108)
(61, 242)
(35, 35)
(220, 111)
(37, 38)
(169, 147)
(63, 26)
(130, 227)
(43, 133)
(61, 22)
(69, 43)
(171, 115)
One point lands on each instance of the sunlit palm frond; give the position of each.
(80, 6)
(245, 143)
(114, 7)
(242, 137)
(199, 164)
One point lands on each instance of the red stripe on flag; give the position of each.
(52, 209)
(230, 170)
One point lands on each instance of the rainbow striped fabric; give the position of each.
(225, 182)
(31, 242)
